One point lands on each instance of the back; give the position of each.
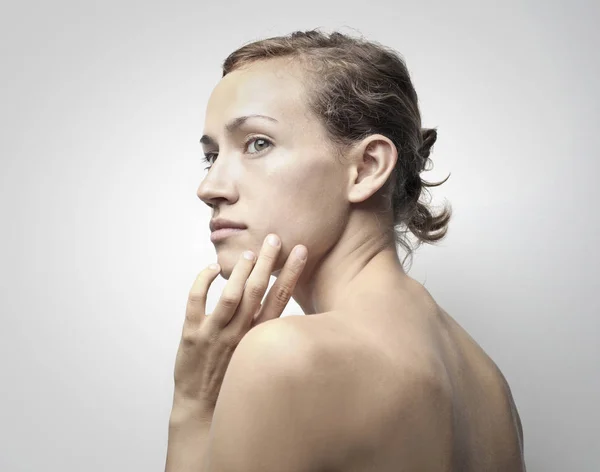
(460, 401)
(489, 434)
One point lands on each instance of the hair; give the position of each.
(358, 88)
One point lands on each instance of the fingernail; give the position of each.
(249, 255)
(273, 240)
(301, 252)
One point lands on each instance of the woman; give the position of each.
(378, 377)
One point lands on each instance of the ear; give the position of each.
(373, 161)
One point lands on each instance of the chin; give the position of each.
(226, 271)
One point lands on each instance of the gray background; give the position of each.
(102, 106)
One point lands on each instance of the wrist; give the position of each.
(190, 411)
(187, 441)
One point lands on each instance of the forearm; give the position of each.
(187, 443)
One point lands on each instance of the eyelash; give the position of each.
(207, 157)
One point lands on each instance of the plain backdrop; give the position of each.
(101, 109)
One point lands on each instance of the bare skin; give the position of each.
(416, 392)
(471, 420)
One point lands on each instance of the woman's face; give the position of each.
(273, 175)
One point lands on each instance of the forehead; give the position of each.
(272, 87)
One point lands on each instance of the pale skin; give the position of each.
(238, 311)
(427, 397)
(208, 342)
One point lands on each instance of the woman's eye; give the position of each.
(212, 155)
(256, 140)
(207, 157)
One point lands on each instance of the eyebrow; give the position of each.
(232, 126)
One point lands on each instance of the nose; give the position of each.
(214, 194)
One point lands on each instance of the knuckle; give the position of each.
(232, 340)
(282, 294)
(210, 336)
(190, 337)
(217, 338)
(270, 256)
(255, 290)
(296, 266)
(229, 300)
(196, 297)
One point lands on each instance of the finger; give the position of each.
(256, 286)
(282, 290)
(232, 293)
(196, 304)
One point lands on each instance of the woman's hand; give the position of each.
(208, 342)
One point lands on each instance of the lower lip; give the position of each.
(223, 233)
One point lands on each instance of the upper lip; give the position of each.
(220, 223)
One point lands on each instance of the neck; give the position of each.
(341, 276)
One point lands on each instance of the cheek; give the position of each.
(301, 187)
(302, 195)
(306, 208)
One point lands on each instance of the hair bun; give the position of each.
(429, 137)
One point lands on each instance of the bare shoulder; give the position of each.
(379, 389)
(411, 389)
(373, 409)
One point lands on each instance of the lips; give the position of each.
(221, 234)
(222, 223)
